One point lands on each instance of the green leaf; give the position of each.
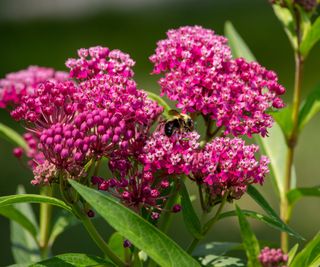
(237, 45)
(221, 261)
(250, 241)
(160, 101)
(63, 222)
(275, 144)
(116, 245)
(311, 38)
(24, 246)
(12, 136)
(287, 20)
(15, 215)
(32, 198)
(190, 217)
(292, 253)
(73, 259)
(141, 233)
(271, 221)
(284, 118)
(255, 194)
(310, 255)
(310, 107)
(295, 194)
(215, 248)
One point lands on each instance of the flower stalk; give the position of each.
(285, 208)
(45, 220)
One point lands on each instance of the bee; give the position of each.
(179, 121)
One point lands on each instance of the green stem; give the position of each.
(285, 208)
(208, 226)
(45, 220)
(96, 236)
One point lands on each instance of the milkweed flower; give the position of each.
(100, 60)
(271, 257)
(201, 76)
(50, 103)
(173, 155)
(141, 189)
(228, 165)
(16, 85)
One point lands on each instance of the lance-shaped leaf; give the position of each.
(140, 232)
(73, 259)
(250, 241)
(271, 221)
(295, 194)
(189, 215)
(311, 38)
(310, 107)
(160, 101)
(310, 255)
(12, 136)
(32, 198)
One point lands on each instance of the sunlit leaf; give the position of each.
(271, 221)
(292, 253)
(284, 119)
(286, 18)
(310, 255)
(250, 241)
(32, 198)
(12, 136)
(73, 259)
(24, 246)
(312, 37)
(310, 107)
(140, 232)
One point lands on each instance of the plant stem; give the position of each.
(208, 225)
(45, 220)
(96, 236)
(292, 138)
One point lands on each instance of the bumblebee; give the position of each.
(179, 121)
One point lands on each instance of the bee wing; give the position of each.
(173, 112)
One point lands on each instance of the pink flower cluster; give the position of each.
(172, 154)
(229, 165)
(201, 76)
(19, 84)
(223, 165)
(271, 257)
(50, 103)
(141, 189)
(99, 60)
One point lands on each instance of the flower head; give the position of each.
(50, 103)
(271, 257)
(139, 190)
(16, 85)
(100, 60)
(201, 76)
(228, 165)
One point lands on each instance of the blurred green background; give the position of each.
(47, 32)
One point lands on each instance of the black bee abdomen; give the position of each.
(170, 126)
